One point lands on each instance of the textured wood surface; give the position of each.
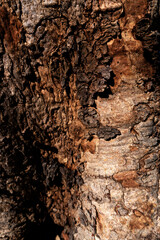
(79, 119)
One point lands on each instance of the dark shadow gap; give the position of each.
(44, 231)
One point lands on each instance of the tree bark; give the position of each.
(79, 119)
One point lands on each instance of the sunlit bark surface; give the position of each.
(79, 119)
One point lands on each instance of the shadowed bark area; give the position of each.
(79, 100)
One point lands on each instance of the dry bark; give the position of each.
(79, 119)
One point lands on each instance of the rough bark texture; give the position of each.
(79, 119)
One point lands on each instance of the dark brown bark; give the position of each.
(63, 66)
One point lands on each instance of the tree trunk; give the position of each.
(79, 119)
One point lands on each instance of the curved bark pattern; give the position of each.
(79, 119)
